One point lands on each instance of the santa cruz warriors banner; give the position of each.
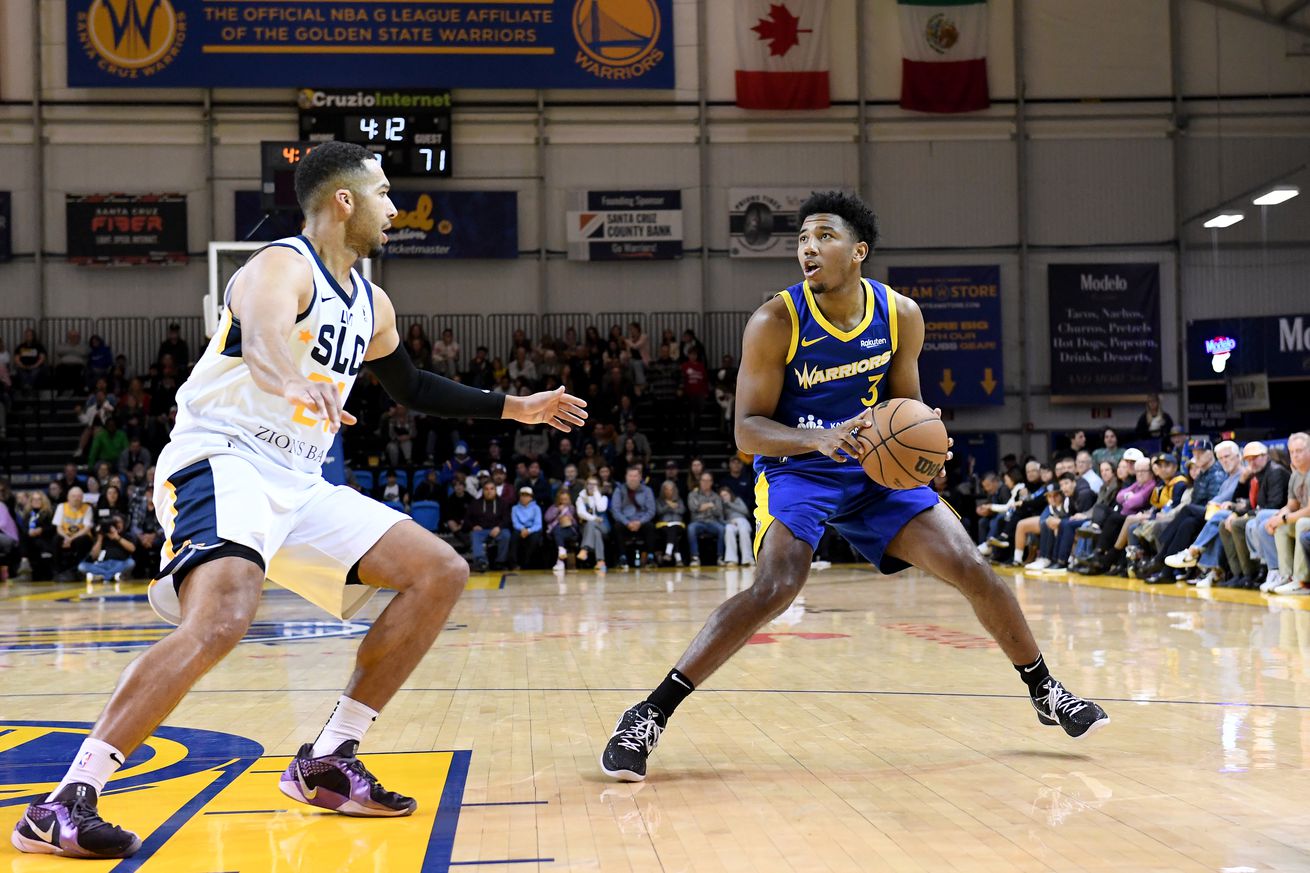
(370, 43)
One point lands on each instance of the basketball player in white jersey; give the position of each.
(240, 495)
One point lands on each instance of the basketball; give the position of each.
(906, 446)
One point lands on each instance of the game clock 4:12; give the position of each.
(409, 130)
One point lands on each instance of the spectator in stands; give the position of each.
(480, 373)
(175, 348)
(41, 540)
(992, 504)
(1204, 551)
(706, 510)
(1281, 530)
(725, 390)
(110, 555)
(109, 443)
(522, 367)
(56, 493)
(527, 520)
(30, 363)
(607, 484)
(1131, 499)
(562, 527)
(1077, 441)
(1211, 467)
(429, 488)
(570, 482)
(134, 454)
(670, 524)
(738, 532)
(504, 488)
(1065, 501)
(10, 538)
(632, 507)
(530, 442)
(689, 342)
(1266, 493)
(73, 523)
(740, 480)
(1110, 451)
(694, 390)
(1154, 423)
(454, 516)
(536, 480)
(556, 462)
(593, 511)
(99, 361)
(445, 354)
(70, 478)
(488, 518)
(143, 527)
(637, 345)
(1085, 466)
(420, 352)
(632, 455)
(112, 502)
(663, 379)
(389, 490)
(1178, 445)
(416, 340)
(692, 480)
(461, 466)
(400, 425)
(70, 363)
(1088, 524)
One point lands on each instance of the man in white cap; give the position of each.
(1266, 488)
(1290, 523)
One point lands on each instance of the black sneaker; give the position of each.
(634, 738)
(340, 782)
(1078, 717)
(70, 826)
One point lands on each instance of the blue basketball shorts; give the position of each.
(805, 493)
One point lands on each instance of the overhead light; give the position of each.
(1277, 194)
(1225, 219)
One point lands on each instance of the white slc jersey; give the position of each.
(327, 344)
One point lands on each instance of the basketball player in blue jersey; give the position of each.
(240, 496)
(815, 359)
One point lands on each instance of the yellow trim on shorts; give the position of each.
(870, 304)
(225, 329)
(762, 517)
(891, 316)
(168, 553)
(795, 324)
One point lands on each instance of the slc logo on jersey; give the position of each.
(131, 38)
(616, 38)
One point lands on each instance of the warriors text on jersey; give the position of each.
(833, 375)
(327, 344)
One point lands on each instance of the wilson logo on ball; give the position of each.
(926, 466)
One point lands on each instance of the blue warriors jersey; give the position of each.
(833, 375)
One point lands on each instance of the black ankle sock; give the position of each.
(672, 691)
(1034, 674)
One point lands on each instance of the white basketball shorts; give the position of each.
(309, 533)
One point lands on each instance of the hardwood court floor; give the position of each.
(872, 727)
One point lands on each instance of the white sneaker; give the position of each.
(1292, 587)
(820, 565)
(695, 562)
(1272, 581)
(1208, 580)
(559, 566)
(1039, 564)
(984, 550)
(1181, 560)
(90, 577)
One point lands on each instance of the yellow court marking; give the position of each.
(484, 582)
(1191, 592)
(255, 827)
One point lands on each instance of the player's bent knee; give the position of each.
(219, 635)
(774, 594)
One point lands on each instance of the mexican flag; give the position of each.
(944, 44)
(782, 54)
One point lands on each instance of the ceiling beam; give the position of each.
(1259, 15)
(1292, 9)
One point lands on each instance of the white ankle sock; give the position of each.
(94, 764)
(350, 721)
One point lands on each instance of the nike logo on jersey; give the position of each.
(48, 835)
(806, 343)
(310, 793)
(327, 299)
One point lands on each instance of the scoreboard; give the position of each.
(410, 130)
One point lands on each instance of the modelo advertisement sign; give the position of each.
(1104, 329)
(380, 43)
(1276, 345)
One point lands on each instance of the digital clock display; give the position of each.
(409, 130)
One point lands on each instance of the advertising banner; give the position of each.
(370, 43)
(454, 224)
(624, 225)
(1277, 345)
(126, 229)
(1104, 329)
(762, 222)
(961, 363)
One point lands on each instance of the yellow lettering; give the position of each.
(420, 218)
(845, 370)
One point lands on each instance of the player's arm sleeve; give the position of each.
(430, 394)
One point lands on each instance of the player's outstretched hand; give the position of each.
(555, 408)
(320, 400)
(950, 441)
(835, 441)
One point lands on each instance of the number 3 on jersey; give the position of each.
(302, 414)
(872, 399)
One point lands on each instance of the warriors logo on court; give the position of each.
(616, 38)
(131, 38)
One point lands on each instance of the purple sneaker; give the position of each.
(341, 783)
(70, 826)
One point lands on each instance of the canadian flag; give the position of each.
(782, 54)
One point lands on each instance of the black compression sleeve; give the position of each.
(430, 394)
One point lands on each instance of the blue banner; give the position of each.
(454, 224)
(1276, 345)
(370, 43)
(961, 363)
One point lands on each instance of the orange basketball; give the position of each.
(906, 447)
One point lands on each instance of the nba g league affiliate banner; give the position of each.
(1104, 329)
(428, 224)
(372, 43)
(962, 362)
